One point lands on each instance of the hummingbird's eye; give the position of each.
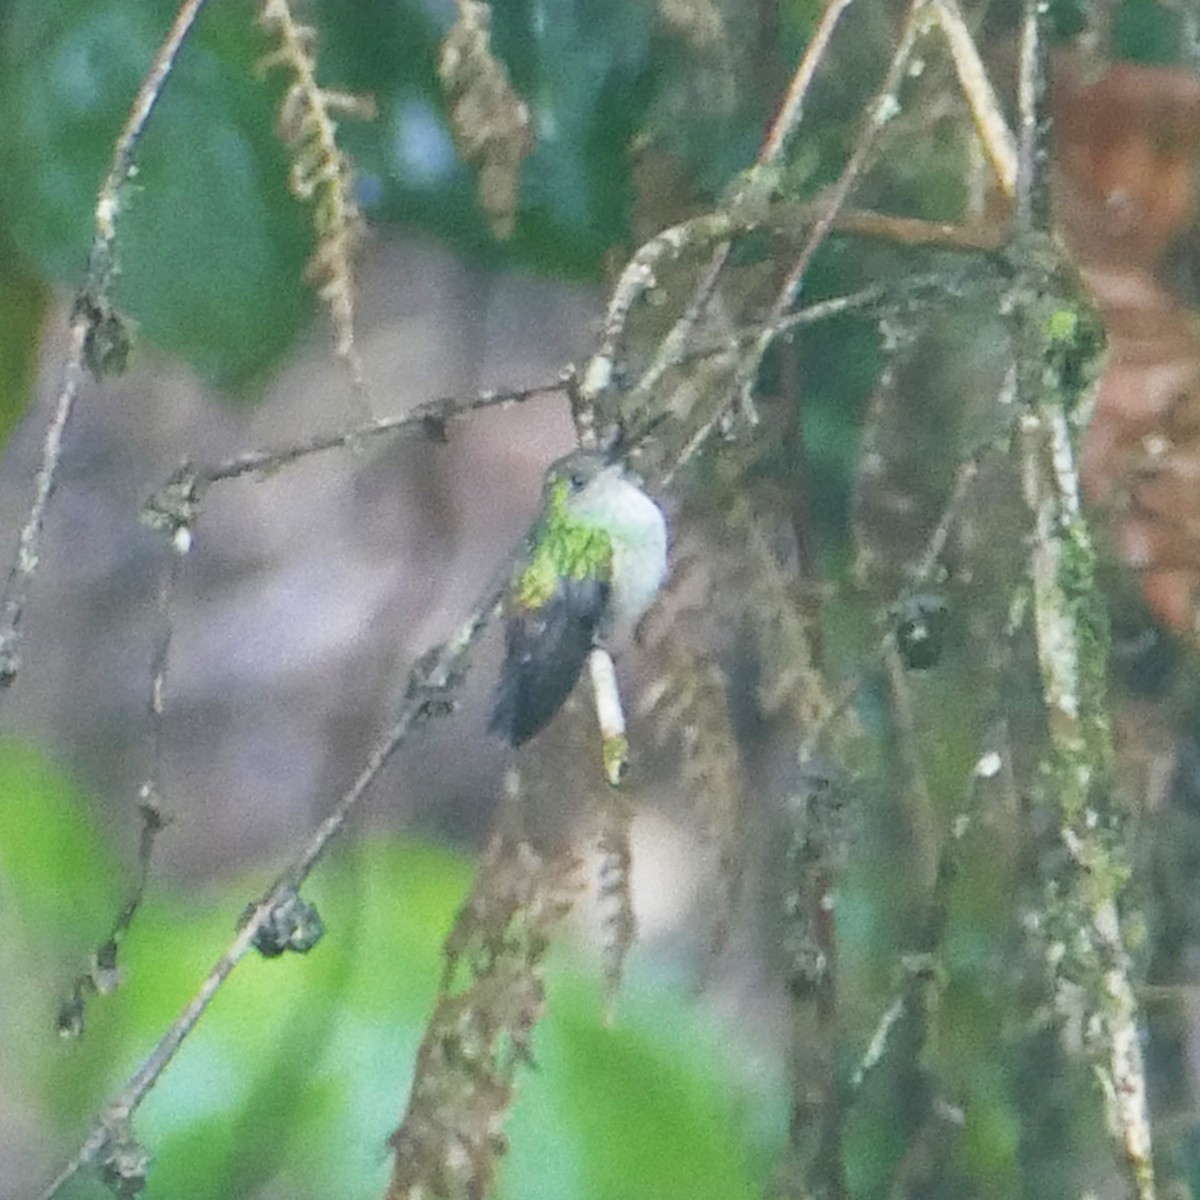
(577, 481)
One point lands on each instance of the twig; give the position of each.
(926, 565)
(782, 128)
(635, 280)
(103, 975)
(152, 791)
(638, 277)
(996, 138)
(430, 694)
(696, 234)
(792, 108)
(966, 475)
(881, 297)
(878, 298)
(920, 973)
(913, 784)
(881, 110)
(912, 231)
(830, 214)
(97, 336)
(672, 347)
(432, 416)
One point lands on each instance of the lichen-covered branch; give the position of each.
(1056, 341)
(1080, 924)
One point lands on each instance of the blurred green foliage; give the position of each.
(1150, 33)
(299, 1071)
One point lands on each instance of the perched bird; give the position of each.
(595, 561)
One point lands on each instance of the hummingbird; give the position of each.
(595, 560)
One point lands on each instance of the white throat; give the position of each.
(639, 539)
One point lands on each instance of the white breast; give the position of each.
(639, 538)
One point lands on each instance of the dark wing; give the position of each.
(544, 653)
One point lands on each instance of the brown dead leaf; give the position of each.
(490, 122)
(1126, 150)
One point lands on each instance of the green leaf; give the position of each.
(211, 248)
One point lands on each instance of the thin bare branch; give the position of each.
(922, 572)
(636, 279)
(921, 980)
(103, 975)
(792, 109)
(640, 277)
(997, 140)
(881, 110)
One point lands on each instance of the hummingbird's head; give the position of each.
(575, 472)
(592, 486)
(591, 491)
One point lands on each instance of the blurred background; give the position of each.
(311, 591)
